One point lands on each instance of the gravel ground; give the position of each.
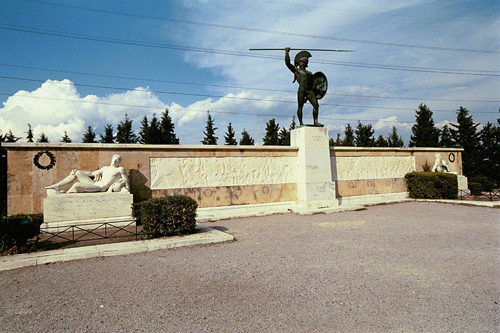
(408, 267)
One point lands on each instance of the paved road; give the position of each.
(408, 267)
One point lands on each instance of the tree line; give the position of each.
(481, 155)
(480, 158)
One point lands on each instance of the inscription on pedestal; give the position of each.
(79, 206)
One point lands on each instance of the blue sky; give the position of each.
(66, 65)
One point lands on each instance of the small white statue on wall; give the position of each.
(112, 178)
(440, 165)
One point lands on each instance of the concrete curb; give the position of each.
(206, 235)
(491, 204)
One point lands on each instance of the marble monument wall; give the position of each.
(213, 175)
(378, 171)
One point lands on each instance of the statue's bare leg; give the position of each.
(299, 114)
(73, 176)
(315, 104)
(300, 100)
(84, 187)
(68, 180)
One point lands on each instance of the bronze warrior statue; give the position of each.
(312, 87)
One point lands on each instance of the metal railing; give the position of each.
(494, 194)
(90, 232)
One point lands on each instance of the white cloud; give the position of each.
(381, 97)
(401, 23)
(388, 123)
(56, 107)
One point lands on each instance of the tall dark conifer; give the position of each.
(394, 140)
(89, 136)
(446, 138)
(466, 136)
(364, 135)
(210, 138)
(150, 133)
(108, 136)
(348, 140)
(272, 133)
(381, 142)
(43, 138)
(125, 133)
(29, 134)
(229, 137)
(424, 133)
(167, 130)
(246, 139)
(65, 138)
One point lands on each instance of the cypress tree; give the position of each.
(229, 137)
(210, 138)
(43, 138)
(150, 133)
(466, 136)
(167, 130)
(108, 136)
(246, 139)
(446, 138)
(364, 135)
(89, 136)
(394, 140)
(272, 136)
(348, 140)
(381, 142)
(29, 135)
(283, 137)
(125, 134)
(65, 138)
(336, 142)
(424, 133)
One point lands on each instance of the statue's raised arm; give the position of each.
(287, 60)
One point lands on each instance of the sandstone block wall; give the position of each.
(212, 175)
(369, 171)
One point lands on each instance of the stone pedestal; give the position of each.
(83, 208)
(315, 187)
(462, 183)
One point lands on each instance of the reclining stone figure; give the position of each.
(112, 178)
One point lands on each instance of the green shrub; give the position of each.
(426, 167)
(487, 184)
(167, 216)
(475, 189)
(15, 231)
(432, 185)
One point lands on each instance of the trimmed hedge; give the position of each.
(167, 216)
(487, 185)
(476, 189)
(15, 230)
(432, 185)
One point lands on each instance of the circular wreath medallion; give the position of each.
(48, 166)
(451, 157)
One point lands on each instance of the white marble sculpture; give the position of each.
(439, 165)
(112, 178)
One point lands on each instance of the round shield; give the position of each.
(299, 55)
(320, 85)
